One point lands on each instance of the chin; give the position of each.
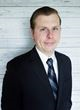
(49, 50)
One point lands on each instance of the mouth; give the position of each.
(49, 43)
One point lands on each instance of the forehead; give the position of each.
(47, 19)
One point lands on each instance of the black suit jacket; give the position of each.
(26, 85)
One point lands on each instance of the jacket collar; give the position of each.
(39, 70)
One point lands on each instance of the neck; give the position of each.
(48, 54)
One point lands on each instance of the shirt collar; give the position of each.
(44, 57)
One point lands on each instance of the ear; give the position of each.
(32, 33)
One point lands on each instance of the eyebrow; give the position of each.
(46, 26)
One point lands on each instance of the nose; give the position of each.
(50, 34)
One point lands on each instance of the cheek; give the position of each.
(35, 35)
(57, 37)
(38, 37)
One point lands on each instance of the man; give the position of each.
(26, 84)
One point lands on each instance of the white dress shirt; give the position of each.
(44, 58)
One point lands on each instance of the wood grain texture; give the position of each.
(39, 2)
(15, 35)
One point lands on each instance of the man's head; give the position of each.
(43, 11)
(45, 26)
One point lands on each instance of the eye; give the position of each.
(55, 28)
(43, 29)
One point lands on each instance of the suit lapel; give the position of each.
(60, 76)
(39, 70)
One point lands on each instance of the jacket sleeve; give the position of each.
(11, 95)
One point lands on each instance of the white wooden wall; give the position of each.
(15, 37)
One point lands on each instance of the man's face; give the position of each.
(46, 33)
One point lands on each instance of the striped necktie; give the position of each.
(52, 77)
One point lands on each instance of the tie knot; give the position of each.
(50, 62)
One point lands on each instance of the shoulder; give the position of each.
(62, 57)
(19, 61)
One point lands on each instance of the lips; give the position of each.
(49, 43)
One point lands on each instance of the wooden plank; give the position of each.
(17, 12)
(40, 2)
(70, 32)
(70, 23)
(13, 26)
(76, 82)
(16, 43)
(70, 42)
(72, 52)
(75, 106)
(76, 97)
